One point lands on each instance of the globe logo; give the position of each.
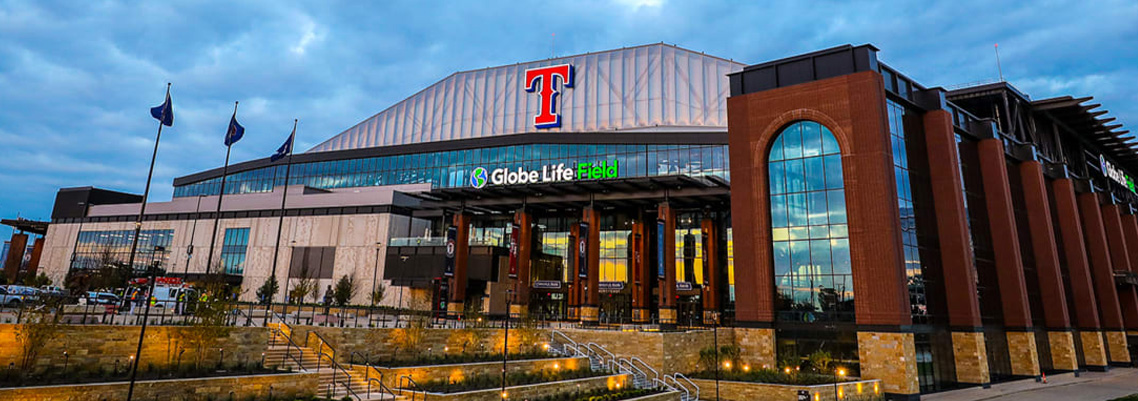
(478, 178)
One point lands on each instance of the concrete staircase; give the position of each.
(335, 382)
(643, 375)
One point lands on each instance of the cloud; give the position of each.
(77, 78)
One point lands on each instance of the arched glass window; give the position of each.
(808, 225)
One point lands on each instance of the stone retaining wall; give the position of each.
(282, 385)
(538, 390)
(746, 391)
(97, 346)
(457, 372)
(384, 342)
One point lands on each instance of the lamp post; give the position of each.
(374, 276)
(506, 344)
(715, 343)
(839, 373)
(288, 297)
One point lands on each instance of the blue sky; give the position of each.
(77, 78)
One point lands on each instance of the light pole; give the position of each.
(374, 275)
(715, 343)
(506, 344)
(287, 296)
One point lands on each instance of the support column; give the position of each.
(968, 346)
(18, 245)
(666, 256)
(711, 280)
(1050, 278)
(457, 306)
(1009, 262)
(1129, 295)
(1120, 261)
(1102, 270)
(591, 309)
(641, 279)
(34, 261)
(519, 305)
(573, 309)
(1085, 314)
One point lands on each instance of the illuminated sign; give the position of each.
(1115, 174)
(547, 285)
(482, 177)
(544, 80)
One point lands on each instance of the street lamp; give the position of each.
(506, 344)
(375, 272)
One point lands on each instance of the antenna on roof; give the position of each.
(552, 39)
(998, 67)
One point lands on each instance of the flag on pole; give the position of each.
(235, 131)
(164, 112)
(285, 149)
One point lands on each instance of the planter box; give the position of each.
(748, 391)
(174, 389)
(537, 390)
(453, 372)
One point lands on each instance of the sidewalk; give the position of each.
(1117, 382)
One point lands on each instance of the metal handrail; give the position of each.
(336, 366)
(411, 382)
(686, 379)
(288, 349)
(352, 358)
(645, 365)
(383, 389)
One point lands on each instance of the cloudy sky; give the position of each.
(77, 77)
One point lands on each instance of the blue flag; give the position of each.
(164, 112)
(235, 131)
(285, 149)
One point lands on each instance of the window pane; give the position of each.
(781, 258)
(792, 141)
(818, 208)
(815, 175)
(778, 211)
(778, 182)
(776, 150)
(811, 139)
(833, 165)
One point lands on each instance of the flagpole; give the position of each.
(134, 250)
(220, 196)
(280, 221)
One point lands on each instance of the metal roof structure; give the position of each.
(655, 87)
(1084, 118)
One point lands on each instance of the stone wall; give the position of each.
(540, 390)
(1023, 353)
(457, 372)
(175, 390)
(746, 391)
(1116, 343)
(971, 357)
(97, 345)
(891, 358)
(384, 343)
(667, 352)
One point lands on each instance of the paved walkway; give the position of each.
(1117, 382)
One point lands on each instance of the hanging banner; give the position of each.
(515, 231)
(660, 264)
(452, 234)
(583, 250)
(636, 260)
(706, 239)
(571, 260)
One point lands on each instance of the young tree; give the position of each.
(211, 315)
(345, 290)
(377, 294)
(39, 327)
(304, 286)
(268, 290)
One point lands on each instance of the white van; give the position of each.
(168, 297)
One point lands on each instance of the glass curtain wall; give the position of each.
(450, 169)
(97, 249)
(813, 274)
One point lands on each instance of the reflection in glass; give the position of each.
(808, 223)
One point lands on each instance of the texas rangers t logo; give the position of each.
(544, 80)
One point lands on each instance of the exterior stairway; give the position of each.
(283, 353)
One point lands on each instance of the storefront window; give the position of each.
(812, 266)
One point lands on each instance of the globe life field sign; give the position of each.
(560, 172)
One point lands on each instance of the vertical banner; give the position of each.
(660, 261)
(452, 234)
(706, 239)
(636, 260)
(515, 231)
(571, 259)
(583, 251)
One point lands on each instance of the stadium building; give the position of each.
(931, 238)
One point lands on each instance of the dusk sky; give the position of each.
(77, 78)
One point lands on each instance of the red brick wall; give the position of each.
(853, 108)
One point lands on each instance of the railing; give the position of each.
(643, 374)
(411, 382)
(336, 367)
(676, 384)
(352, 358)
(383, 389)
(288, 348)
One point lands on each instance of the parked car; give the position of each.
(27, 294)
(100, 298)
(10, 299)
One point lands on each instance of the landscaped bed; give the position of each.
(483, 382)
(451, 359)
(121, 372)
(771, 376)
(600, 395)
